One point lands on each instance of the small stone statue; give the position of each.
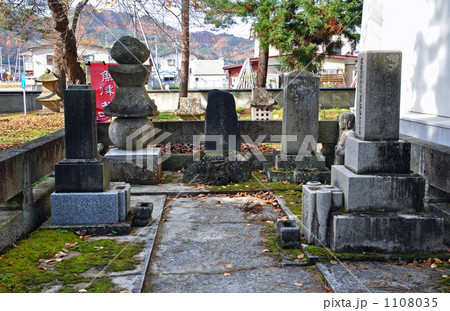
(346, 129)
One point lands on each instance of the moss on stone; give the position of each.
(256, 182)
(21, 271)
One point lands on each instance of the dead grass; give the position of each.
(16, 129)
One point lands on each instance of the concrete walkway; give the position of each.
(209, 244)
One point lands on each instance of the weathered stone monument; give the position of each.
(83, 193)
(382, 200)
(261, 104)
(346, 129)
(300, 128)
(132, 130)
(221, 162)
(189, 108)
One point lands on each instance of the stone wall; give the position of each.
(167, 100)
(20, 168)
(183, 132)
(12, 101)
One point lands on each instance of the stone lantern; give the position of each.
(50, 98)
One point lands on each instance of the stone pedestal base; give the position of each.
(386, 233)
(318, 204)
(91, 208)
(297, 176)
(291, 162)
(261, 113)
(379, 193)
(218, 170)
(135, 166)
(80, 175)
(367, 157)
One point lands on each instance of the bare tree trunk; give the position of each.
(184, 74)
(58, 67)
(60, 17)
(263, 62)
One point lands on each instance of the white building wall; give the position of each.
(421, 30)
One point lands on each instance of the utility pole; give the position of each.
(9, 68)
(176, 62)
(1, 64)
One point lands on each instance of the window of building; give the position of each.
(166, 79)
(49, 59)
(171, 62)
(88, 58)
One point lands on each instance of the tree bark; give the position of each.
(58, 68)
(59, 10)
(184, 74)
(263, 62)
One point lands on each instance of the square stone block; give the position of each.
(82, 175)
(124, 192)
(377, 156)
(379, 193)
(289, 234)
(149, 158)
(386, 233)
(285, 162)
(318, 202)
(85, 208)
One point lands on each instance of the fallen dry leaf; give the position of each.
(333, 262)
(266, 250)
(227, 274)
(229, 266)
(298, 284)
(60, 254)
(300, 256)
(99, 247)
(82, 291)
(11, 263)
(125, 292)
(14, 245)
(20, 256)
(42, 268)
(328, 289)
(1, 257)
(434, 266)
(437, 260)
(445, 276)
(71, 245)
(64, 250)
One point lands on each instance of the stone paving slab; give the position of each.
(205, 237)
(213, 210)
(377, 277)
(260, 280)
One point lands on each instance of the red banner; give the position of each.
(104, 86)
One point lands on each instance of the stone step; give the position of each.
(11, 226)
(379, 192)
(387, 233)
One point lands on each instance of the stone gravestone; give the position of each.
(83, 193)
(375, 178)
(222, 131)
(300, 128)
(132, 130)
(221, 163)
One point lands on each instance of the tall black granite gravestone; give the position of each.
(222, 131)
(83, 193)
(82, 170)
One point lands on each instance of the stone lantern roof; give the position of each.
(47, 77)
